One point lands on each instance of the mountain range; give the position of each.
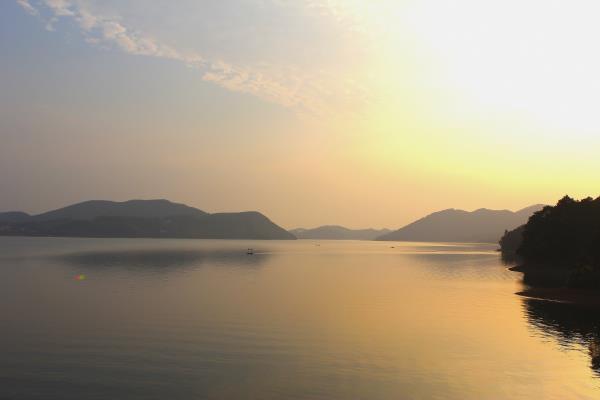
(336, 232)
(479, 226)
(140, 218)
(165, 219)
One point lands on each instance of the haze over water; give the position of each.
(181, 319)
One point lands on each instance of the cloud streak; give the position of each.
(27, 7)
(291, 89)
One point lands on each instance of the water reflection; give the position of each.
(158, 259)
(568, 324)
(201, 319)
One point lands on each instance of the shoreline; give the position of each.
(551, 288)
(580, 297)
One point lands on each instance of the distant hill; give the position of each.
(88, 210)
(141, 218)
(335, 232)
(479, 226)
(14, 216)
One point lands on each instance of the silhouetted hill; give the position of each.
(511, 241)
(479, 226)
(14, 216)
(144, 218)
(560, 244)
(89, 210)
(335, 232)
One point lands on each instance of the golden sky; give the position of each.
(360, 113)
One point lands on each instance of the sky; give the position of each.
(363, 113)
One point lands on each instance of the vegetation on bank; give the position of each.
(564, 237)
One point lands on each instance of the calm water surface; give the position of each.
(200, 319)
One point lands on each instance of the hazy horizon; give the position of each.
(435, 131)
(286, 227)
(317, 112)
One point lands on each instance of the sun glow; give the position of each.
(491, 91)
(533, 59)
(466, 103)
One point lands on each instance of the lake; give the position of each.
(201, 319)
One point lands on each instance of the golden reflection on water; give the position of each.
(339, 320)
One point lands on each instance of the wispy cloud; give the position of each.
(28, 7)
(289, 87)
(351, 14)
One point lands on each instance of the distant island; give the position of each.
(336, 232)
(559, 246)
(480, 226)
(140, 219)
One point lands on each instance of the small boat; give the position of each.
(250, 251)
